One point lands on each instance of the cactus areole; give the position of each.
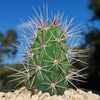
(48, 63)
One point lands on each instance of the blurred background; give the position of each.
(86, 12)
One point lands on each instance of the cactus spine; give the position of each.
(48, 63)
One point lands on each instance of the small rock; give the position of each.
(26, 98)
(54, 97)
(39, 93)
(80, 91)
(9, 94)
(22, 89)
(34, 97)
(2, 95)
(89, 92)
(66, 97)
(3, 99)
(68, 93)
(47, 98)
(60, 98)
(19, 97)
(78, 97)
(44, 96)
(71, 91)
(93, 97)
(13, 97)
(16, 92)
(29, 94)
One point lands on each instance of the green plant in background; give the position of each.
(49, 52)
(5, 84)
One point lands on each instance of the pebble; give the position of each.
(29, 94)
(60, 98)
(13, 97)
(80, 91)
(27, 98)
(19, 97)
(3, 99)
(22, 89)
(9, 94)
(2, 94)
(89, 92)
(66, 97)
(44, 96)
(54, 97)
(39, 93)
(34, 97)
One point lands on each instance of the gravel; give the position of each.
(69, 94)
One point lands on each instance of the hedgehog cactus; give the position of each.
(48, 63)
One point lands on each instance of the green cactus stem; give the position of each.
(49, 58)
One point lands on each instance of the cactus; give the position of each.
(49, 58)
